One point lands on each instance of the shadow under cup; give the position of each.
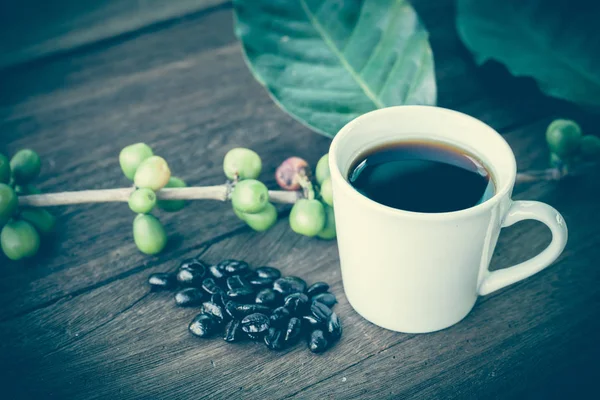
(411, 271)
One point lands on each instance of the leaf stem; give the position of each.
(219, 192)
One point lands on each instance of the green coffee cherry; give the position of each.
(8, 203)
(153, 173)
(327, 192)
(4, 169)
(40, 219)
(142, 201)
(307, 217)
(322, 170)
(328, 232)
(25, 166)
(555, 161)
(262, 220)
(243, 163)
(19, 240)
(590, 147)
(149, 234)
(239, 214)
(172, 205)
(563, 137)
(26, 189)
(132, 156)
(250, 196)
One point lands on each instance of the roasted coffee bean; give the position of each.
(316, 288)
(231, 309)
(210, 286)
(190, 277)
(292, 333)
(219, 299)
(216, 272)
(311, 323)
(213, 309)
(280, 316)
(326, 298)
(255, 323)
(334, 328)
(297, 303)
(240, 294)
(237, 282)
(248, 274)
(191, 272)
(193, 264)
(162, 281)
(268, 297)
(274, 339)
(320, 311)
(189, 297)
(254, 308)
(232, 287)
(259, 282)
(268, 273)
(233, 267)
(203, 325)
(317, 342)
(241, 310)
(233, 331)
(289, 285)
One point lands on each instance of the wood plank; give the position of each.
(83, 326)
(34, 29)
(126, 346)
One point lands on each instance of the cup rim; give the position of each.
(477, 209)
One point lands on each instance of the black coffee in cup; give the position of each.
(422, 176)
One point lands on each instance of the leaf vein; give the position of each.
(327, 39)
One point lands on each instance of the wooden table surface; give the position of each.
(79, 322)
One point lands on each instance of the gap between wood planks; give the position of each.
(123, 310)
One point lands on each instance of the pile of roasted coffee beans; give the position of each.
(258, 304)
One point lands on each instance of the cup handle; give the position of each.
(519, 211)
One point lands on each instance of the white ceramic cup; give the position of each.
(422, 272)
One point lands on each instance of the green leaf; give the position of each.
(556, 43)
(329, 61)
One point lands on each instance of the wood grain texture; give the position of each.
(80, 322)
(32, 29)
